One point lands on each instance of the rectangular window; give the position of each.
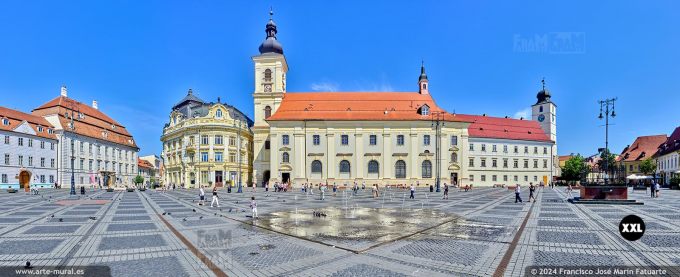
(472, 178)
(526, 163)
(493, 178)
(21, 141)
(219, 140)
(6, 139)
(505, 149)
(494, 163)
(4, 178)
(526, 178)
(30, 161)
(483, 162)
(516, 179)
(204, 177)
(42, 145)
(493, 148)
(204, 156)
(51, 179)
(316, 139)
(285, 139)
(51, 146)
(267, 145)
(373, 140)
(344, 139)
(426, 140)
(535, 163)
(52, 163)
(42, 179)
(89, 165)
(30, 142)
(218, 156)
(505, 178)
(400, 140)
(205, 140)
(545, 150)
(483, 147)
(232, 141)
(454, 140)
(535, 178)
(42, 162)
(472, 147)
(515, 163)
(526, 149)
(6, 159)
(82, 164)
(535, 149)
(232, 157)
(505, 163)
(472, 162)
(483, 178)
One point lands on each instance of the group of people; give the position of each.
(518, 191)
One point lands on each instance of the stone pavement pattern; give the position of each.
(468, 234)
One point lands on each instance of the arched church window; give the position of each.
(267, 112)
(267, 75)
(316, 167)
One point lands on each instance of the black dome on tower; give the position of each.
(543, 96)
(270, 44)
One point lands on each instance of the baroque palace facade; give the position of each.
(206, 144)
(389, 137)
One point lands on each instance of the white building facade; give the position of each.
(28, 149)
(668, 158)
(101, 150)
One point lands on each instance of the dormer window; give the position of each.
(218, 113)
(425, 110)
(40, 129)
(5, 121)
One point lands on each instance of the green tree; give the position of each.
(139, 179)
(608, 159)
(574, 168)
(648, 167)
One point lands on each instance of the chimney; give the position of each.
(63, 91)
(94, 104)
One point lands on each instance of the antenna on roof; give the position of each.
(543, 83)
(271, 12)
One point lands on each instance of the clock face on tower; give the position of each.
(267, 88)
(541, 118)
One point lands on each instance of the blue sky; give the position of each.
(138, 58)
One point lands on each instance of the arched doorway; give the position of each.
(25, 180)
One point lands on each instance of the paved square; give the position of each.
(468, 235)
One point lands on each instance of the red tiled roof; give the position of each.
(642, 148)
(16, 118)
(344, 106)
(671, 144)
(144, 163)
(94, 124)
(565, 158)
(504, 128)
(352, 106)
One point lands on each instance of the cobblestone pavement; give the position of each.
(155, 233)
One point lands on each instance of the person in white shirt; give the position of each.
(201, 195)
(253, 207)
(518, 197)
(413, 191)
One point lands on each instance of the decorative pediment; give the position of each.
(315, 154)
(373, 154)
(399, 154)
(454, 166)
(426, 154)
(285, 167)
(344, 154)
(25, 128)
(285, 148)
(454, 148)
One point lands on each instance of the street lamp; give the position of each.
(437, 119)
(70, 116)
(238, 150)
(604, 106)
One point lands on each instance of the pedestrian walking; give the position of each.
(518, 197)
(446, 191)
(335, 189)
(532, 188)
(363, 185)
(323, 191)
(253, 206)
(652, 189)
(201, 196)
(214, 198)
(413, 191)
(570, 189)
(657, 186)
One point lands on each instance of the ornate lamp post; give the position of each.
(240, 186)
(604, 105)
(437, 119)
(71, 117)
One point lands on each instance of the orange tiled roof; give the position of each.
(353, 106)
(94, 123)
(16, 117)
(643, 148)
(378, 106)
(565, 158)
(504, 128)
(144, 163)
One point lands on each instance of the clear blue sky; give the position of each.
(138, 58)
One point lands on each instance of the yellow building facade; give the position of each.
(207, 144)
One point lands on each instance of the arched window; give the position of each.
(454, 157)
(267, 75)
(218, 113)
(285, 157)
(344, 166)
(400, 169)
(267, 112)
(427, 169)
(373, 167)
(316, 167)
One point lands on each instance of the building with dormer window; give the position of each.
(206, 143)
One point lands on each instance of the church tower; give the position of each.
(270, 86)
(544, 112)
(423, 86)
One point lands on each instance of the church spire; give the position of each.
(271, 44)
(422, 80)
(423, 76)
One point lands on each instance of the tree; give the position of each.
(574, 168)
(608, 159)
(648, 167)
(139, 179)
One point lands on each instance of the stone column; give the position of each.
(359, 162)
(298, 151)
(386, 162)
(274, 154)
(412, 166)
(331, 167)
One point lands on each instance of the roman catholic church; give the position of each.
(389, 138)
